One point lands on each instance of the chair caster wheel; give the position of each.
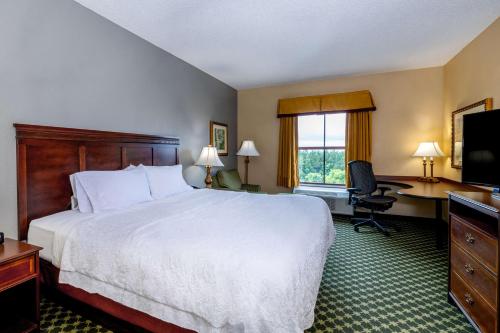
(356, 229)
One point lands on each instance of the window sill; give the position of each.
(322, 190)
(320, 185)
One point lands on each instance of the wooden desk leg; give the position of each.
(440, 233)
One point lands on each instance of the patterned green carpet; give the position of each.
(371, 283)
(55, 318)
(374, 283)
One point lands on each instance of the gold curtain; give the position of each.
(288, 158)
(358, 144)
(292, 107)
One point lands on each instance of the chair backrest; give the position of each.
(362, 177)
(229, 178)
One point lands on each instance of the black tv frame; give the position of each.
(496, 187)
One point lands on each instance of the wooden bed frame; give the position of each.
(46, 156)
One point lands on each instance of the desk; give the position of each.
(438, 192)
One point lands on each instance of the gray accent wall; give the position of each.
(63, 65)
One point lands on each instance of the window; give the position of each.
(322, 149)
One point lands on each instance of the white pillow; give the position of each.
(80, 199)
(74, 201)
(109, 190)
(165, 180)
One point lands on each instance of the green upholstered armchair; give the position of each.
(230, 180)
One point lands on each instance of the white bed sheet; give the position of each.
(42, 232)
(211, 261)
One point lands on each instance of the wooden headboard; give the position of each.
(46, 156)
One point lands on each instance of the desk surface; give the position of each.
(410, 187)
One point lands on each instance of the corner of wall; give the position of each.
(470, 76)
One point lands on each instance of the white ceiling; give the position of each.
(250, 43)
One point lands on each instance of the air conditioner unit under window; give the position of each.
(336, 198)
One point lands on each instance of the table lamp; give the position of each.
(247, 149)
(431, 150)
(209, 158)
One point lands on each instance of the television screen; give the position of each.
(481, 148)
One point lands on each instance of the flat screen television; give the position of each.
(481, 149)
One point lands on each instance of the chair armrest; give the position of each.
(352, 191)
(383, 189)
(250, 187)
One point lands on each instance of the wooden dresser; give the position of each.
(474, 257)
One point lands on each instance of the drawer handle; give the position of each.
(469, 238)
(469, 269)
(468, 299)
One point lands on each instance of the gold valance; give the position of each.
(341, 102)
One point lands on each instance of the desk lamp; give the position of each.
(430, 150)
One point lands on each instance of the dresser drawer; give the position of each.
(17, 271)
(483, 315)
(474, 274)
(481, 245)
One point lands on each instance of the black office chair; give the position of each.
(361, 194)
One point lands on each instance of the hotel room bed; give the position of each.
(207, 260)
(204, 260)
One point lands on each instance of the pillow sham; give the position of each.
(80, 196)
(165, 180)
(74, 202)
(110, 190)
(80, 199)
(130, 167)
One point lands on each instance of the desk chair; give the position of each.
(361, 194)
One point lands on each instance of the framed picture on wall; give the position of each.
(218, 137)
(457, 122)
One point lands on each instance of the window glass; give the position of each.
(335, 130)
(311, 131)
(335, 166)
(311, 166)
(322, 149)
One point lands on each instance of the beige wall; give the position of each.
(409, 110)
(472, 75)
(412, 106)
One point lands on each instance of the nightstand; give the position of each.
(19, 287)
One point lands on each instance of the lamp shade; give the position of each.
(428, 149)
(209, 157)
(248, 149)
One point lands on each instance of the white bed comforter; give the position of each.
(223, 261)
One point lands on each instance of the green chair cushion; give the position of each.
(215, 182)
(250, 187)
(230, 179)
